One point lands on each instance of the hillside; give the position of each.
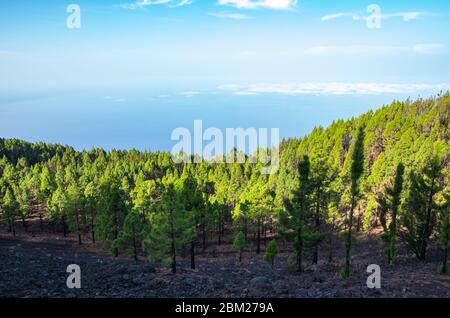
(337, 185)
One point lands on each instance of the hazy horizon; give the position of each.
(135, 70)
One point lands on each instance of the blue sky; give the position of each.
(202, 53)
(220, 42)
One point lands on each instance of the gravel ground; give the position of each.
(36, 268)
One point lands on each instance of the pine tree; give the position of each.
(23, 196)
(444, 233)
(419, 213)
(390, 202)
(192, 201)
(172, 228)
(58, 207)
(112, 212)
(239, 244)
(91, 197)
(271, 252)
(10, 209)
(133, 232)
(357, 170)
(296, 212)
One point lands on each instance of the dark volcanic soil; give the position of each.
(36, 267)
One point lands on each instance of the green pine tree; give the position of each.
(419, 215)
(390, 202)
(356, 171)
(297, 210)
(240, 244)
(271, 252)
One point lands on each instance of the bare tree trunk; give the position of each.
(24, 223)
(134, 245)
(300, 249)
(41, 222)
(219, 224)
(63, 223)
(13, 227)
(245, 228)
(204, 233)
(172, 247)
(92, 227)
(317, 225)
(192, 254)
(116, 235)
(258, 239)
(77, 221)
(265, 233)
(423, 245)
(348, 245)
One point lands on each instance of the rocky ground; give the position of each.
(36, 267)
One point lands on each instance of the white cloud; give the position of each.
(335, 16)
(243, 93)
(255, 4)
(145, 3)
(183, 3)
(428, 48)
(117, 100)
(373, 49)
(333, 88)
(406, 16)
(190, 93)
(233, 16)
(363, 49)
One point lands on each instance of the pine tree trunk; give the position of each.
(265, 233)
(220, 228)
(300, 245)
(348, 245)
(423, 245)
(223, 227)
(245, 228)
(330, 242)
(172, 245)
(134, 245)
(240, 257)
(192, 254)
(63, 223)
(24, 223)
(258, 238)
(300, 249)
(317, 225)
(204, 233)
(393, 238)
(13, 227)
(116, 235)
(41, 222)
(330, 252)
(92, 229)
(444, 262)
(78, 227)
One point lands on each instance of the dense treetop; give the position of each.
(143, 201)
